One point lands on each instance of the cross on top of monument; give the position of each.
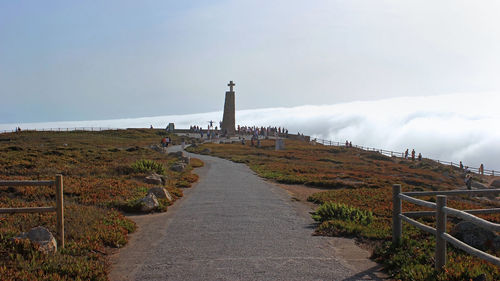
(231, 84)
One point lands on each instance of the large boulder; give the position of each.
(160, 193)
(495, 184)
(149, 203)
(177, 154)
(41, 237)
(476, 236)
(178, 167)
(154, 179)
(180, 155)
(206, 151)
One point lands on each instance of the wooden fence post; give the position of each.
(60, 210)
(440, 229)
(396, 211)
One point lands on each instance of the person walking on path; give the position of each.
(468, 181)
(419, 156)
(461, 165)
(481, 169)
(413, 154)
(406, 154)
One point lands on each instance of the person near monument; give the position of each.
(164, 142)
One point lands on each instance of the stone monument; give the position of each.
(228, 127)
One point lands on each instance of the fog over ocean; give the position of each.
(446, 127)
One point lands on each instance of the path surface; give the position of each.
(232, 225)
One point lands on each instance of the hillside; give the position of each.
(103, 179)
(363, 181)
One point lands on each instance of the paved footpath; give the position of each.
(232, 225)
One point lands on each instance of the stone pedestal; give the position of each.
(279, 144)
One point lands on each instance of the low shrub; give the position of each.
(145, 166)
(330, 210)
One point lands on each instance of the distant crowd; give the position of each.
(261, 131)
(255, 131)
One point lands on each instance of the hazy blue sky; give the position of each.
(85, 60)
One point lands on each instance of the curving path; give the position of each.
(232, 225)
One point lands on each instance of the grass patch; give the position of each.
(103, 175)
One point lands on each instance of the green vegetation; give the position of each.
(330, 210)
(363, 180)
(103, 175)
(145, 166)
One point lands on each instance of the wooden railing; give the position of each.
(402, 155)
(90, 129)
(59, 209)
(441, 214)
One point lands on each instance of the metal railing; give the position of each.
(402, 155)
(441, 212)
(59, 208)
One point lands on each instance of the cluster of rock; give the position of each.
(154, 178)
(181, 163)
(158, 148)
(150, 201)
(41, 237)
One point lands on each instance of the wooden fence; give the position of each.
(59, 209)
(90, 129)
(402, 155)
(441, 214)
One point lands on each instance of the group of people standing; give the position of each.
(165, 142)
(261, 131)
(413, 155)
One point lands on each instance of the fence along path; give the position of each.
(401, 155)
(91, 129)
(441, 213)
(59, 209)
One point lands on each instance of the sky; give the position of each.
(100, 60)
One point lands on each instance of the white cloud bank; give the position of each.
(448, 127)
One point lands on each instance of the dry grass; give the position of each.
(99, 182)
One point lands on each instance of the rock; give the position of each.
(180, 155)
(185, 160)
(149, 203)
(41, 237)
(154, 179)
(206, 151)
(476, 236)
(178, 167)
(164, 179)
(131, 149)
(495, 184)
(177, 154)
(160, 193)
